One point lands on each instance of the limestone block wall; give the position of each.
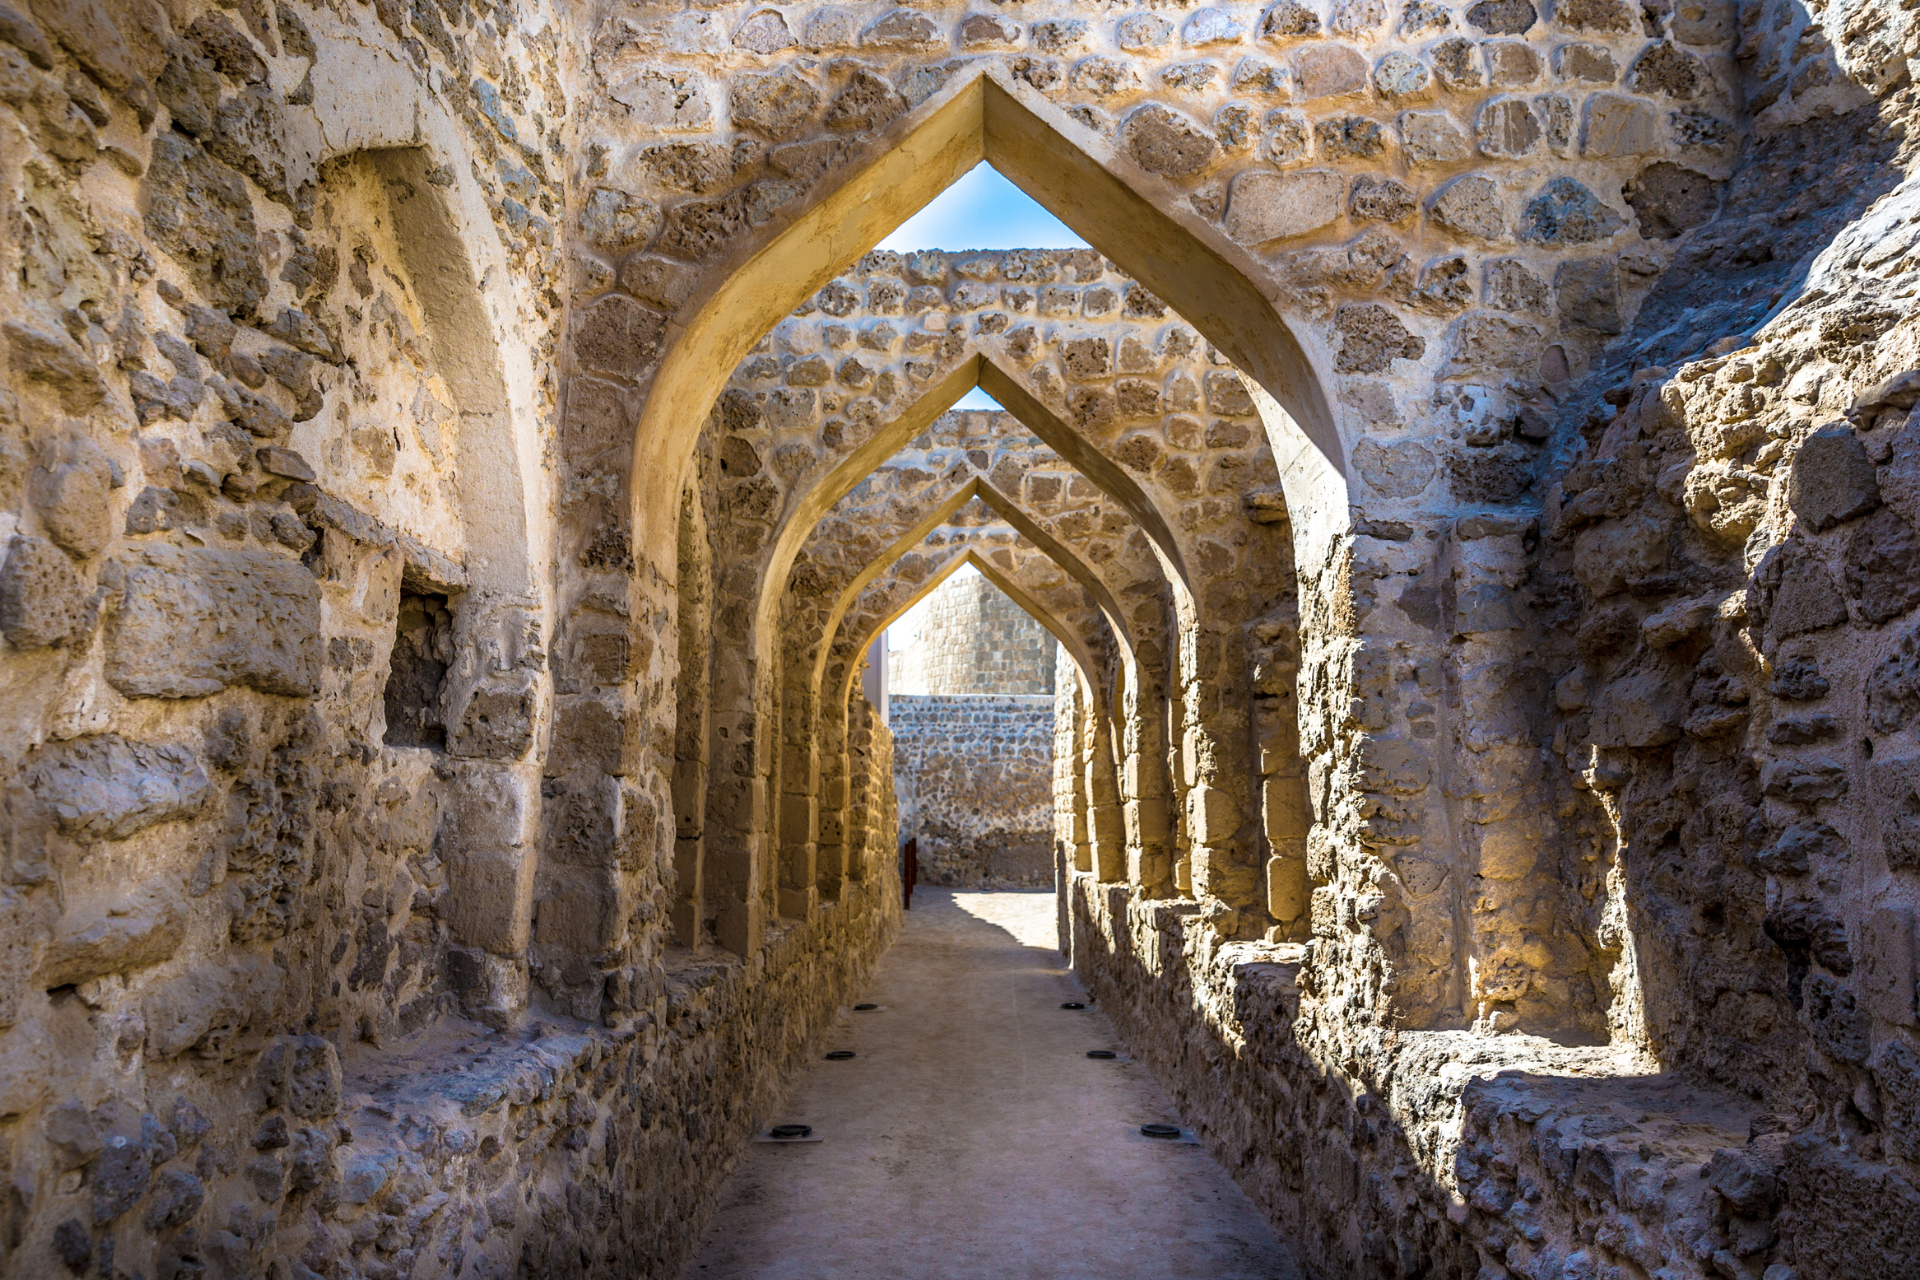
(1712, 644)
(1520, 398)
(974, 775)
(973, 639)
(1724, 564)
(1429, 1153)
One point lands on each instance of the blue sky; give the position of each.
(982, 211)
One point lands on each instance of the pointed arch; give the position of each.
(375, 107)
(1219, 287)
(1083, 659)
(1103, 777)
(810, 794)
(978, 369)
(833, 863)
(1128, 214)
(1063, 559)
(1009, 511)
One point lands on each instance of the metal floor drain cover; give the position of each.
(1071, 1004)
(1160, 1130)
(839, 1055)
(1102, 1053)
(865, 1008)
(787, 1132)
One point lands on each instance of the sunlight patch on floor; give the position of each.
(1027, 914)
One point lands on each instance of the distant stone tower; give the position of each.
(975, 640)
(971, 708)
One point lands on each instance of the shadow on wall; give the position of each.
(1726, 590)
(1550, 1149)
(991, 859)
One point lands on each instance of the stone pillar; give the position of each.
(1216, 753)
(1286, 814)
(692, 727)
(835, 866)
(1144, 779)
(873, 846)
(735, 836)
(1106, 817)
(492, 813)
(1071, 761)
(799, 832)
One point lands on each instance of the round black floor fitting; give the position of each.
(839, 1055)
(1160, 1130)
(1071, 1004)
(787, 1132)
(1101, 1053)
(865, 1008)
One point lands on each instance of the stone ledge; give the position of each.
(425, 567)
(1487, 1155)
(463, 1150)
(461, 1068)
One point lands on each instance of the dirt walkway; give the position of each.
(971, 1136)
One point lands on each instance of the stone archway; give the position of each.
(1097, 765)
(982, 115)
(738, 834)
(798, 778)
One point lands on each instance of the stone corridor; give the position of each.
(970, 1136)
(457, 458)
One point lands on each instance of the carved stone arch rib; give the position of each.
(976, 370)
(982, 114)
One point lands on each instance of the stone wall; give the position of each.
(1686, 628)
(279, 312)
(1727, 562)
(1479, 511)
(1437, 1152)
(975, 779)
(972, 719)
(973, 639)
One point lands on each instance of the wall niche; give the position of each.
(422, 651)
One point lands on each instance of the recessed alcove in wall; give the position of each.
(417, 671)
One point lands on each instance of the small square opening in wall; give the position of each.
(422, 650)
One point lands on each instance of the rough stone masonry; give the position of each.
(971, 711)
(454, 456)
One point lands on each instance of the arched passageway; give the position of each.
(455, 460)
(1182, 485)
(970, 1135)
